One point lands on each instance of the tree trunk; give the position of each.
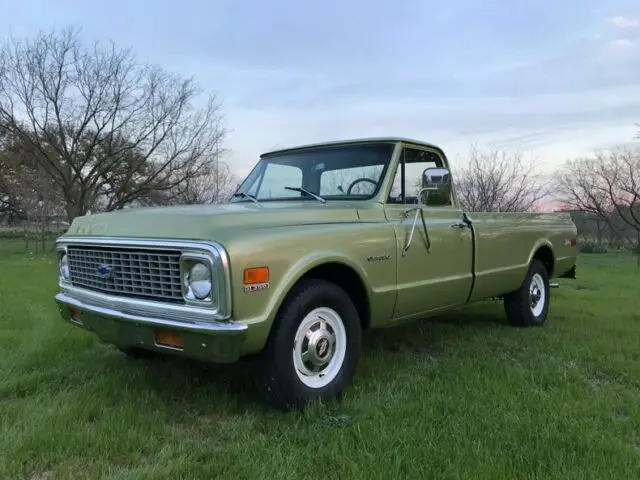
(73, 211)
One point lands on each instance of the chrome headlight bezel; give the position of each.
(188, 261)
(62, 254)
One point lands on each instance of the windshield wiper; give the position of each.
(247, 195)
(306, 192)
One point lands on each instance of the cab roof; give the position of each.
(351, 141)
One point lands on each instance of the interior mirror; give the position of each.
(436, 186)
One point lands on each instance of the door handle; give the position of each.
(458, 225)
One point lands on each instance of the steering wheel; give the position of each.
(358, 180)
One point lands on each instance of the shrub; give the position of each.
(31, 233)
(589, 246)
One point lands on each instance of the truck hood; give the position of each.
(210, 222)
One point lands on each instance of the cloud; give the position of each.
(625, 23)
(558, 77)
(623, 44)
(554, 125)
(622, 51)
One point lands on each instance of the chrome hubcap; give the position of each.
(319, 347)
(537, 295)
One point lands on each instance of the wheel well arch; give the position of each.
(545, 255)
(349, 280)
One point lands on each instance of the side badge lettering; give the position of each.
(255, 287)
(378, 258)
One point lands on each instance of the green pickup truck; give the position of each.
(318, 244)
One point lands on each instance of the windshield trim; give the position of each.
(319, 147)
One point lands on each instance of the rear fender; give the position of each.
(543, 242)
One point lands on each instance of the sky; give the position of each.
(550, 79)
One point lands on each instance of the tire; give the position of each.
(529, 305)
(326, 314)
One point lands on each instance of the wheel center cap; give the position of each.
(535, 294)
(322, 347)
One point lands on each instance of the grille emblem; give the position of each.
(105, 271)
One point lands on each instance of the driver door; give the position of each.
(433, 244)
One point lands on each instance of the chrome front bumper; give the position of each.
(212, 341)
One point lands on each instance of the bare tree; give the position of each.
(28, 194)
(10, 205)
(40, 202)
(216, 187)
(500, 182)
(105, 129)
(608, 187)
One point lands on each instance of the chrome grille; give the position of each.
(150, 274)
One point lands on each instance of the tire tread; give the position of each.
(516, 304)
(274, 377)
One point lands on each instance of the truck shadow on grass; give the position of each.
(188, 384)
(431, 336)
(465, 319)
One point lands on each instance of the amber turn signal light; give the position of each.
(75, 315)
(169, 339)
(256, 275)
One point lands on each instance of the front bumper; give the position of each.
(212, 341)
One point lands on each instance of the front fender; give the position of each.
(260, 325)
(305, 265)
(292, 253)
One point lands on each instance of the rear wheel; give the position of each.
(529, 305)
(313, 348)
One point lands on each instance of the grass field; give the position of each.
(461, 395)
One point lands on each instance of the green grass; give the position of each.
(461, 395)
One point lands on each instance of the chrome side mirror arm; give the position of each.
(420, 213)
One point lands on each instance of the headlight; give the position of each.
(64, 267)
(199, 280)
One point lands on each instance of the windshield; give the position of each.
(345, 172)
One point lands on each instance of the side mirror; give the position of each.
(436, 187)
(435, 178)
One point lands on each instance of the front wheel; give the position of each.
(313, 349)
(529, 305)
